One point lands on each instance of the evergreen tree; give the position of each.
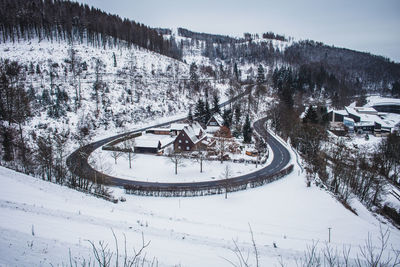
(199, 110)
(216, 109)
(31, 69)
(227, 117)
(190, 115)
(311, 116)
(194, 78)
(238, 114)
(38, 71)
(31, 93)
(8, 145)
(260, 75)
(396, 89)
(207, 113)
(236, 71)
(46, 100)
(115, 60)
(247, 130)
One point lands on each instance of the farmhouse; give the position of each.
(190, 138)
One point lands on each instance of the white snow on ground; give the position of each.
(152, 168)
(152, 78)
(188, 231)
(360, 141)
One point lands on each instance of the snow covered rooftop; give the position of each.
(178, 126)
(152, 140)
(379, 101)
(218, 118)
(194, 131)
(341, 112)
(159, 129)
(366, 110)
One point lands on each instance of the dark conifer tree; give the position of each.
(396, 89)
(227, 117)
(311, 115)
(207, 113)
(238, 114)
(190, 115)
(115, 60)
(199, 110)
(194, 78)
(8, 145)
(216, 108)
(260, 75)
(236, 71)
(247, 130)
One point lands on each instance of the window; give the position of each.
(186, 141)
(179, 147)
(187, 148)
(180, 141)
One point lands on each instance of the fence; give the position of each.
(205, 188)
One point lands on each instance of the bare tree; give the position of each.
(226, 174)
(176, 158)
(60, 140)
(115, 154)
(243, 257)
(104, 256)
(129, 146)
(200, 156)
(223, 140)
(45, 156)
(98, 161)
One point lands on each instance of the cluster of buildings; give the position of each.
(378, 118)
(185, 137)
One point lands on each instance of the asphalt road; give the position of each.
(78, 164)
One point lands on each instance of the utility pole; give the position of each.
(329, 239)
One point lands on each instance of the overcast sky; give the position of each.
(364, 25)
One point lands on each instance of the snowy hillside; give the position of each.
(106, 89)
(42, 221)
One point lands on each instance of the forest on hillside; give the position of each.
(71, 21)
(57, 20)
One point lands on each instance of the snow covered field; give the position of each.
(41, 221)
(151, 168)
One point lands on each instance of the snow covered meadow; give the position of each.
(153, 168)
(41, 222)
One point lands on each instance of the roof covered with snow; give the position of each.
(218, 118)
(341, 112)
(178, 126)
(380, 101)
(195, 132)
(152, 140)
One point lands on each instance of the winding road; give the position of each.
(78, 164)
